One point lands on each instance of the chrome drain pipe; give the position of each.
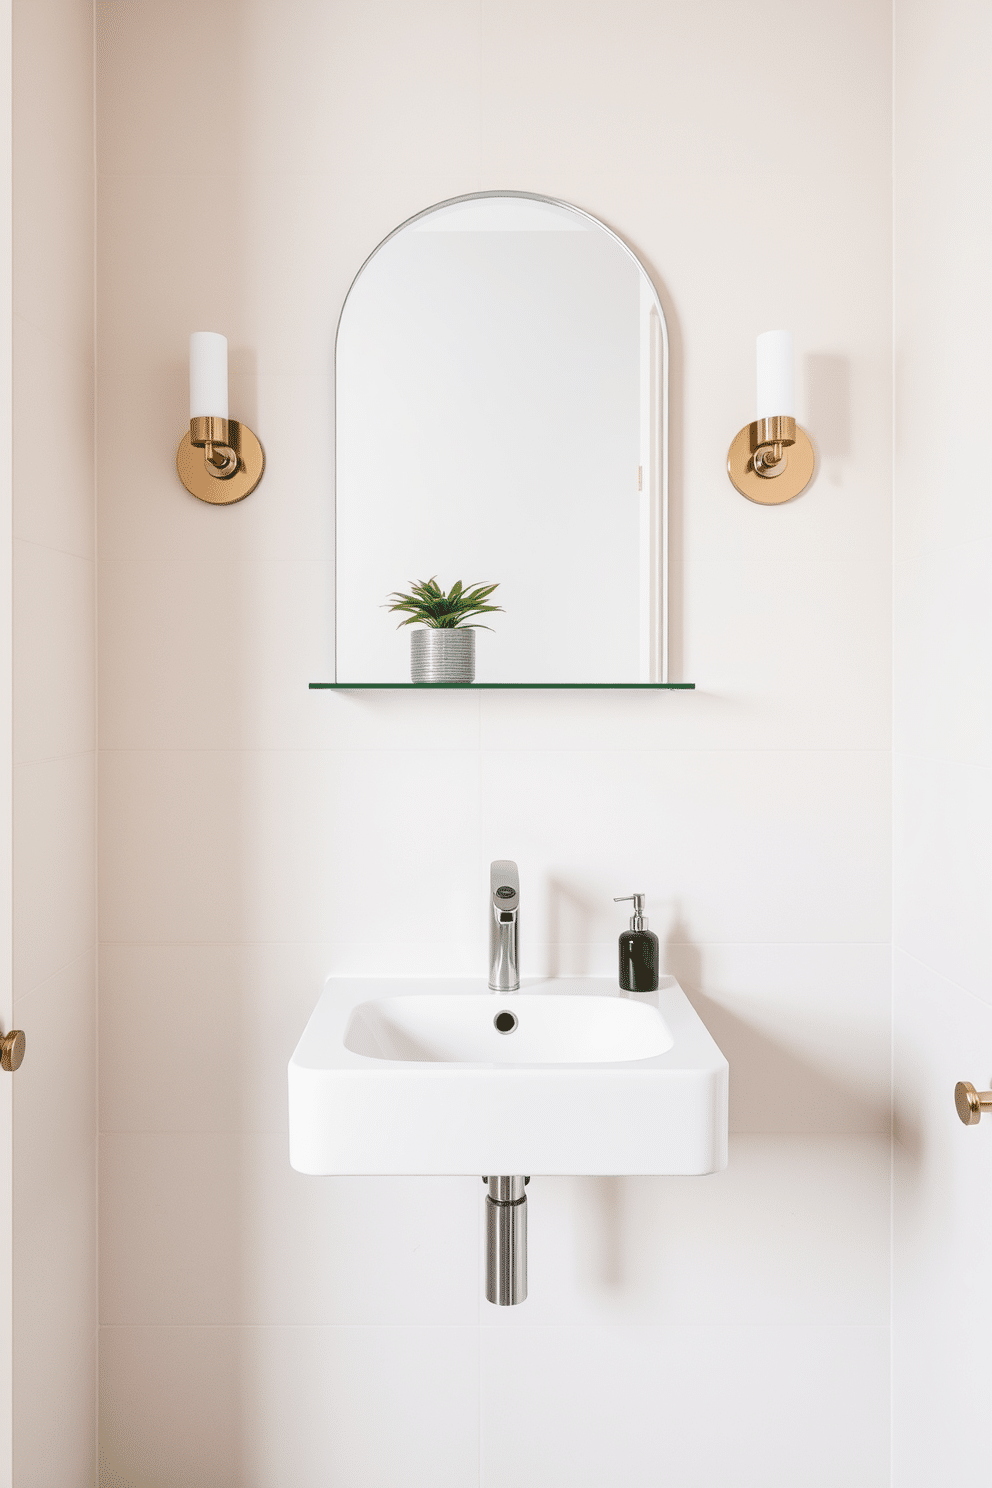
(506, 1241)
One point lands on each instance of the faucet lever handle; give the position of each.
(504, 883)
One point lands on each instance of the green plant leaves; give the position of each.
(427, 604)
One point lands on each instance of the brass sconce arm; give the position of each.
(213, 436)
(220, 460)
(771, 460)
(773, 436)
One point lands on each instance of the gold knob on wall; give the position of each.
(12, 1050)
(971, 1103)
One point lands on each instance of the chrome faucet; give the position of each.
(504, 905)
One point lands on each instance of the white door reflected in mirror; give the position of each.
(502, 393)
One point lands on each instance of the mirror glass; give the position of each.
(501, 418)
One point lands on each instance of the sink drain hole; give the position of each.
(505, 1022)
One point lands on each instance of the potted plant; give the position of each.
(444, 649)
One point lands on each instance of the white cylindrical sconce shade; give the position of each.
(207, 375)
(776, 375)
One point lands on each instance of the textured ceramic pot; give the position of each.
(442, 655)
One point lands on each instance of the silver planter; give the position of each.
(442, 655)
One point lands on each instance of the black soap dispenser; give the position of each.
(638, 950)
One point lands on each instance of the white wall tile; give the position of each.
(850, 710)
(692, 1406)
(943, 802)
(943, 867)
(943, 600)
(794, 1232)
(942, 1291)
(753, 846)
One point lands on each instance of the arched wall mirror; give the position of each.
(502, 418)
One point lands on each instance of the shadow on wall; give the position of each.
(828, 402)
(628, 1237)
(243, 378)
(775, 1086)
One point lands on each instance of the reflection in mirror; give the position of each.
(502, 394)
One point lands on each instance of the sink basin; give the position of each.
(433, 1028)
(444, 1077)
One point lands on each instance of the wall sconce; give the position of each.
(771, 460)
(219, 460)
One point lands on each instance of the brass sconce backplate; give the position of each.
(221, 490)
(752, 444)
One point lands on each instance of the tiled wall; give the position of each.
(943, 741)
(54, 1232)
(260, 1327)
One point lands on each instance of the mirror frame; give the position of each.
(657, 413)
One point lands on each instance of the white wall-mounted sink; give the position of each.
(562, 1077)
(415, 1077)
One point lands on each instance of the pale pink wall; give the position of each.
(54, 747)
(260, 1327)
(942, 1298)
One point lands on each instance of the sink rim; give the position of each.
(321, 1048)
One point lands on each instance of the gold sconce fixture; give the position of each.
(971, 1104)
(771, 460)
(219, 460)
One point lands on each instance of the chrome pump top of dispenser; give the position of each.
(638, 920)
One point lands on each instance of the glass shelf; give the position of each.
(505, 686)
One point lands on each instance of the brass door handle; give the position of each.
(971, 1103)
(12, 1050)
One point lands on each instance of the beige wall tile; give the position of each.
(231, 1407)
(55, 653)
(217, 1228)
(54, 495)
(54, 882)
(54, 1226)
(255, 836)
(215, 846)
